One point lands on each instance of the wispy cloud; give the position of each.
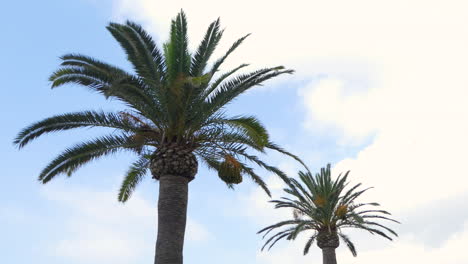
(99, 229)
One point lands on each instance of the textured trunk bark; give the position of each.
(172, 215)
(329, 256)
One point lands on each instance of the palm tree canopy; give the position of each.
(172, 98)
(324, 205)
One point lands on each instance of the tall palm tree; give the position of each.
(321, 205)
(175, 118)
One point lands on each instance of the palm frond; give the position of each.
(108, 82)
(348, 243)
(71, 121)
(309, 243)
(215, 84)
(256, 178)
(229, 90)
(75, 157)
(270, 228)
(156, 62)
(264, 165)
(250, 125)
(133, 177)
(139, 49)
(277, 237)
(380, 217)
(176, 53)
(205, 49)
(277, 148)
(79, 60)
(220, 61)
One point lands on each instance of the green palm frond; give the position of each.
(83, 61)
(126, 88)
(133, 177)
(205, 50)
(75, 157)
(348, 243)
(256, 178)
(71, 121)
(237, 140)
(275, 147)
(279, 224)
(220, 61)
(250, 125)
(138, 48)
(263, 165)
(176, 52)
(309, 243)
(229, 90)
(277, 237)
(155, 61)
(215, 84)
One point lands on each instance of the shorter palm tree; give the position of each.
(321, 204)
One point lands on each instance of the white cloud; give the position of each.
(318, 35)
(100, 229)
(413, 103)
(327, 106)
(197, 232)
(407, 250)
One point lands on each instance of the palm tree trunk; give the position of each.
(329, 256)
(172, 215)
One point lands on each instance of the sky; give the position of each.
(380, 89)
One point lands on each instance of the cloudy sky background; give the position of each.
(380, 89)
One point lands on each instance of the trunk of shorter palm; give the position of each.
(172, 216)
(329, 256)
(328, 242)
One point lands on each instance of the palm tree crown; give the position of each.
(322, 205)
(175, 105)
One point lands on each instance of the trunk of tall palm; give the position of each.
(172, 215)
(328, 242)
(174, 166)
(328, 256)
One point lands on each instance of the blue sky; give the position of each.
(383, 97)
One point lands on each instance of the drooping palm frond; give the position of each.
(273, 146)
(133, 177)
(170, 97)
(71, 121)
(73, 158)
(309, 243)
(348, 243)
(322, 204)
(110, 82)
